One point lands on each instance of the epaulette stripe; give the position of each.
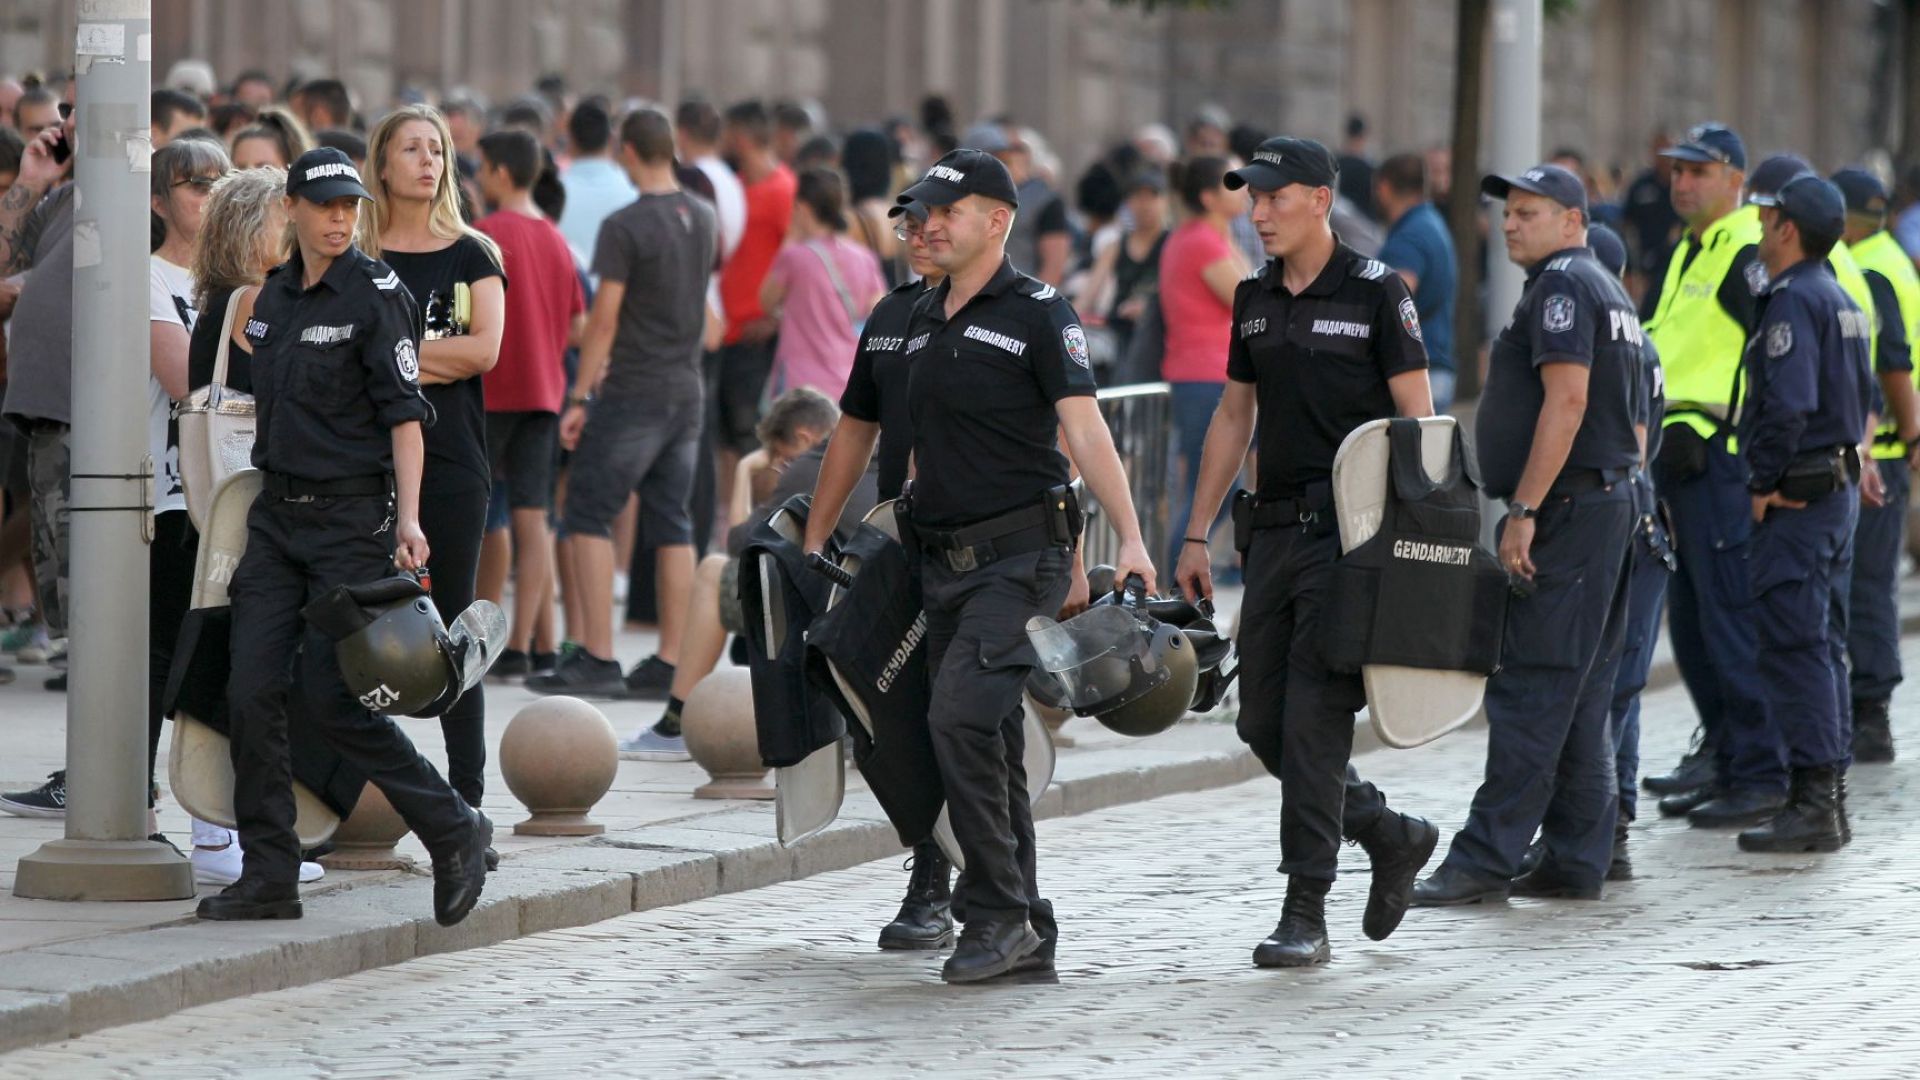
(390, 282)
(1373, 270)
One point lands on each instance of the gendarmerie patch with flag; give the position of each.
(407, 360)
(1410, 318)
(1756, 274)
(1557, 314)
(1075, 340)
(1779, 340)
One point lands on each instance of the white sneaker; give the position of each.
(221, 866)
(37, 651)
(650, 745)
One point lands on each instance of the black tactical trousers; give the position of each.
(295, 552)
(1295, 714)
(979, 657)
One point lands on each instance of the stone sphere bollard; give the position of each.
(718, 724)
(364, 841)
(559, 756)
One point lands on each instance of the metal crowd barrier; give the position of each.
(1141, 419)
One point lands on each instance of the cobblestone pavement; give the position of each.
(1710, 963)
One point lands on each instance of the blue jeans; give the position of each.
(1441, 380)
(1193, 407)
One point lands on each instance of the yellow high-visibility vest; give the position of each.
(1883, 254)
(1700, 344)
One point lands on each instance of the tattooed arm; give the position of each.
(19, 225)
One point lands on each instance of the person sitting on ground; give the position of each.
(793, 441)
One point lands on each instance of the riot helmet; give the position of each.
(395, 654)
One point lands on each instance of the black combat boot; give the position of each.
(1040, 960)
(1809, 822)
(1734, 808)
(1399, 846)
(1682, 803)
(989, 949)
(1301, 938)
(251, 898)
(925, 921)
(1846, 824)
(1696, 770)
(1621, 869)
(1872, 732)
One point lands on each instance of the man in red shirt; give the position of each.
(546, 311)
(746, 353)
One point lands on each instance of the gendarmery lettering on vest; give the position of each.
(900, 655)
(1444, 554)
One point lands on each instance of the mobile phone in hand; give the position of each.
(61, 149)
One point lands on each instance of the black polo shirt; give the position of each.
(877, 387)
(1320, 361)
(1573, 311)
(335, 368)
(981, 393)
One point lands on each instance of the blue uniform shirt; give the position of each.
(1420, 244)
(1807, 378)
(1573, 311)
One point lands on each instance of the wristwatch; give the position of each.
(582, 401)
(1520, 511)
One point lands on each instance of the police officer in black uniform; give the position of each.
(1556, 438)
(1805, 410)
(996, 363)
(874, 410)
(336, 368)
(1324, 340)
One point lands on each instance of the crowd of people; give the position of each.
(620, 326)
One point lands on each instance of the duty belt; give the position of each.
(1573, 482)
(1279, 511)
(1051, 521)
(295, 489)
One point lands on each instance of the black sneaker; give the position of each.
(57, 684)
(513, 664)
(49, 800)
(582, 674)
(543, 663)
(650, 680)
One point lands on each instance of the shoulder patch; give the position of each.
(1410, 319)
(1074, 340)
(385, 282)
(1756, 273)
(1561, 263)
(1779, 340)
(1370, 269)
(406, 360)
(1556, 315)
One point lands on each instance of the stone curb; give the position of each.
(66, 989)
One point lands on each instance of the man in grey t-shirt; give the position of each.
(36, 235)
(640, 367)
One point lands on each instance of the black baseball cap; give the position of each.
(913, 208)
(1284, 160)
(1708, 143)
(323, 175)
(1551, 181)
(959, 174)
(1815, 205)
(1772, 174)
(1864, 192)
(1608, 248)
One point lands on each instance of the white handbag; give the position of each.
(216, 430)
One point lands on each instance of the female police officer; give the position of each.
(336, 377)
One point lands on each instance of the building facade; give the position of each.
(1818, 76)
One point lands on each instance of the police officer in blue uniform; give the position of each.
(1556, 438)
(1324, 340)
(335, 343)
(1873, 616)
(997, 366)
(1802, 416)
